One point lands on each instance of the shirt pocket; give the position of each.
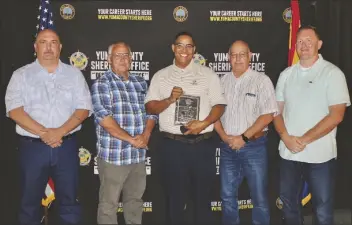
(250, 100)
(36, 95)
(138, 103)
(36, 101)
(137, 97)
(140, 97)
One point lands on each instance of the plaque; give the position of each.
(187, 109)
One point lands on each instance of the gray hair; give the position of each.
(119, 43)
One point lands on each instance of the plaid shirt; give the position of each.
(124, 101)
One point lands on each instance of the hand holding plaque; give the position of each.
(187, 109)
(175, 94)
(195, 127)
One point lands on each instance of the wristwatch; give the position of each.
(245, 139)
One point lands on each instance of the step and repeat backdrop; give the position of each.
(88, 28)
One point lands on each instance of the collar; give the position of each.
(58, 69)
(245, 74)
(316, 63)
(119, 77)
(188, 68)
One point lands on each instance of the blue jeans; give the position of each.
(251, 162)
(320, 179)
(38, 161)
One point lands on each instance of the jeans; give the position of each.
(251, 162)
(320, 179)
(38, 161)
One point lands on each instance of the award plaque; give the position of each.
(187, 109)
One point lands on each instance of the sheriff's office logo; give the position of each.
(67, 11)
(199, 59)
(287, 15)
(180, 14)
(79, 59)
(84, 156)
(279, 203)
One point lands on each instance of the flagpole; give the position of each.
(46, 212)
(45, 21)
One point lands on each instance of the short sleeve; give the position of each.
(216, 93)
(337, 90)
(14, 95)
(83, 98)
(280, 87)
(153, 91)
(267, 100)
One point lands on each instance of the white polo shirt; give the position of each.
(307, 94)
(195, 80)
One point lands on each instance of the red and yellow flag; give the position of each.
(294, 26)
(49, 193)
(293, 59)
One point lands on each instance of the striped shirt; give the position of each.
(124, 101)
(195, 80)
(248, 97)
(48, 98)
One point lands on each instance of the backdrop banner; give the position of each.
(87, 29)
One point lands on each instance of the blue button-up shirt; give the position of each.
(48, 98)
(124, 102)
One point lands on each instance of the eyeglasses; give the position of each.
(181, 46)
(119, 56)
(240, 55)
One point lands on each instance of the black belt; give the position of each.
(188, 139)
(32, 139)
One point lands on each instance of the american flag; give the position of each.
(45, 16)
(45, 21)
